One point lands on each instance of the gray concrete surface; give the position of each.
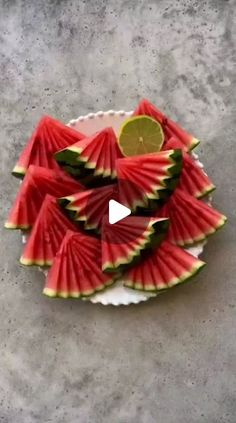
(172, 359)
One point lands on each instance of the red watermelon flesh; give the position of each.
(148, 176)
(123, 242)
(98, 152)
(193, 179)
(49, 136)
(167, 266)
(37, 183)
(76, 269)
(191, 220)
(90, 205)
(47, 234)
(170, 128)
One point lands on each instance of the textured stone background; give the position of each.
(172, 359)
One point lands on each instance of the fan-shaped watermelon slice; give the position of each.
(47, 234)
(166, 266)
(90, 206)
(49, 136)
(148, 177)
(76, 270)
(98, 152)
(123, 242)
(37, 183)
(191, 220)
(193, 179)
(170, 128)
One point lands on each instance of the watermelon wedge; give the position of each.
(191, 220)
(76, 269)
(89, 206)
(170, 128)
(166, 266)
(37, 183)
(148, 177)
(123, 242)
(193, 179)
(98, 152)
(47, 234)
(49, 136)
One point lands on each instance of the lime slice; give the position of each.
(141, 135)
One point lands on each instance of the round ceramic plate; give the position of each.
(117, 294)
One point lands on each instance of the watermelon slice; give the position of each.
(47, 234)
(123, 242)
(166, 266)
(49, 136)
(169, 127)
(37, 183)
(98, 152)
(148, 177)
(193, 179)
(76, 270)
(90, 206)
(191, 220)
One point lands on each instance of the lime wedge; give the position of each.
(141, 135)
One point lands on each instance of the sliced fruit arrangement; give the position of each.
(37, 183)
(148, 177)
(191, 220)
(76, 270)
(169, 127)
(49, 136)
(150, 170)
(123, 242)
(166, 266)
(97, 153)
(89, 206)
(141, 135)
(192, 179)
(47, 234)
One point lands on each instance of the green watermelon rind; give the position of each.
(67, 156)
(152, 240)
(208, 190)
(69, 161)
(71, 158)
(177, 158)
(152, 288)
(169, 183)
(204, 236)
(174, 171)
(78, 218)
(74, 171)
(19, 171)
(64, 201)
(32, 262)
(194, 143)
(87, 226)
(74, 214)
(75, 295)
(9, 225)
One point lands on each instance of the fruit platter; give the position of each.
(69, 175)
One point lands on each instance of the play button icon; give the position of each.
(117, 211)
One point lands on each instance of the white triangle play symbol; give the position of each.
(117, 211)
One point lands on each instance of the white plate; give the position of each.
(117, 294)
